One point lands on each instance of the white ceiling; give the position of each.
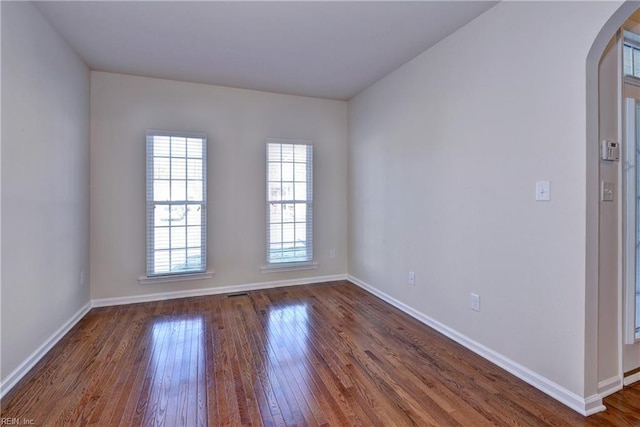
(327, 49)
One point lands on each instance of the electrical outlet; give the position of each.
(412, 278)
(82, 278)
(475, 302)
(332, 254)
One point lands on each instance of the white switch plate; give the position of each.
(607, 191)
(543, 191)
(475, 302)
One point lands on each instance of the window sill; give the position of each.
(289, 266)
(632, 80)
(149, 280)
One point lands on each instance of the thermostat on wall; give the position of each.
(610, 150)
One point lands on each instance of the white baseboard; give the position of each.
(584, 406)
(592, 404)
(631, 379)
(609, 386)
(17, 374)
(105, 302)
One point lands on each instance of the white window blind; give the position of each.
(176, 203)
(289, 201)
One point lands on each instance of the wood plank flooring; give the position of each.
(318, 355)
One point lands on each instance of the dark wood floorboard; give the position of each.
(318, 355)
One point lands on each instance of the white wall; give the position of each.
(236, 123)
(45, 181)
(444, 154)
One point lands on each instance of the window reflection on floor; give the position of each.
(287, 336)
(177, 365)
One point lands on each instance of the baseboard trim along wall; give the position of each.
(609, 386)
(105, 302)
(18, 373)
(584, 406)
(630, 379)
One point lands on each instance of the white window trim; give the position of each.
(182, 277)
(288, 266)
(632, 80)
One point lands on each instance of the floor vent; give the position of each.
(241, 294)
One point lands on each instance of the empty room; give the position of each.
(323, 213)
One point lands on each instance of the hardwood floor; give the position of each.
(328, 354)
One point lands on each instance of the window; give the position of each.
(631, 299)
(176, 203)
(289, 201)
(631, 54)
(631, 61)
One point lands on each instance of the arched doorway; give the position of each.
(603, 367)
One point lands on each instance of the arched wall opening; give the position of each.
(602, 275)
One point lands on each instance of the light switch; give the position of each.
(543, 191)
(608, 191)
